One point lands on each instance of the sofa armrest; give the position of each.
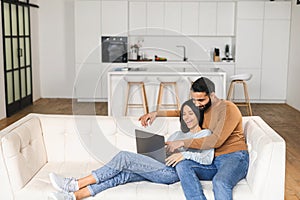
(266, 174)
(5, 189)
(20, 143)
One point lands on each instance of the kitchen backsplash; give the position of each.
(197, 48)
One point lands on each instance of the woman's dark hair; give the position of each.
(203, 84)
(194, 108)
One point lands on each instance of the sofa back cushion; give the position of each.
(74, 138)
(24, 152)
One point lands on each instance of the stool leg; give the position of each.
(230, 91)
(145, 103)
(176, 95)
(127, 98)
(159, 98)
(249, 110)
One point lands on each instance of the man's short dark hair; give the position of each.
(203, 84)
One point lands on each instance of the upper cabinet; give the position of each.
(172, 18)
(182, 17)
(225, 18)
(114, 18)
(137, 18)
(155, 18)
(87, 31)
(189, 18)
(207, 18)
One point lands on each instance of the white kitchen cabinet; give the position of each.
(137, 18)
(253, 85)
(87, 31)
(216, 18)
(250, 10)
(278, 10)
(190, 18)
(155, 18)
(107, 67)
(172, 18)
(275, 59)
(225, 18)
(249, 36)
(262, 41)
(114, 18)
(207, 18)
(88, 82)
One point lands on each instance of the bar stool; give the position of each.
(171, 84)
(139, 82)
(240, 79)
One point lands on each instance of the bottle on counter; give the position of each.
(217, 55)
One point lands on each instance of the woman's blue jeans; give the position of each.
(128, 167)
(225, 172)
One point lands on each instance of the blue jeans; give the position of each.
(225, 172)
(128, 167)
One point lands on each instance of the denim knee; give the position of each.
(182, 166)
(220, 184)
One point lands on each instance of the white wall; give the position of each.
(36, 92)
(293, 94)
(2, 87)
(56, 40)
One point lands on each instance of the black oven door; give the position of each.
(114, 49)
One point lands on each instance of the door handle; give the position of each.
(20, 52)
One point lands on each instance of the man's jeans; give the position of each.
(225, 172)
(128, 167)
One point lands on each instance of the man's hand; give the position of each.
(173, 145)
(148, 118)
(174, 159)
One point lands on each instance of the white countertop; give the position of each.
(166, 70)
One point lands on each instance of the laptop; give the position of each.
(151, 145)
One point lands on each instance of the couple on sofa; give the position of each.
(210, 146)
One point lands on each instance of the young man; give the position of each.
(231, 161)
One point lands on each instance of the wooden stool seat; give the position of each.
(240, 79)
(172, 84)
(144, 103)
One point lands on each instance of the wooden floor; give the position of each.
(281, 117)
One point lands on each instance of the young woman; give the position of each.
(128, 167)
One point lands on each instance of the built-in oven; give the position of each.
(114, 49)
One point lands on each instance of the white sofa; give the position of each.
(74, 145)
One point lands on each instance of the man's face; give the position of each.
(201, 100)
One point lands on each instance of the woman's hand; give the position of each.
(173, 159)
(173, 145)
(148, 118)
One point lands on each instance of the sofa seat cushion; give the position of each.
(40, 184)
(41, 187)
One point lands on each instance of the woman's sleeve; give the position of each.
(204, 157)
(174, 136)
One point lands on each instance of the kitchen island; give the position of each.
(152, 76)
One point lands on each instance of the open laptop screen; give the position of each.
(151, 145)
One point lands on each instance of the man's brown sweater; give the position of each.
(224, 119)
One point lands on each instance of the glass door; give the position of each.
(17, 56)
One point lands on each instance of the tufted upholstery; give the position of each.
(75, 145)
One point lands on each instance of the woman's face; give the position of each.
(189, 117)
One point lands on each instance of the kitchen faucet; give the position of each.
(184, 55)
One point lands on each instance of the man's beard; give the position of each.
(202, 110)
(206, 106)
